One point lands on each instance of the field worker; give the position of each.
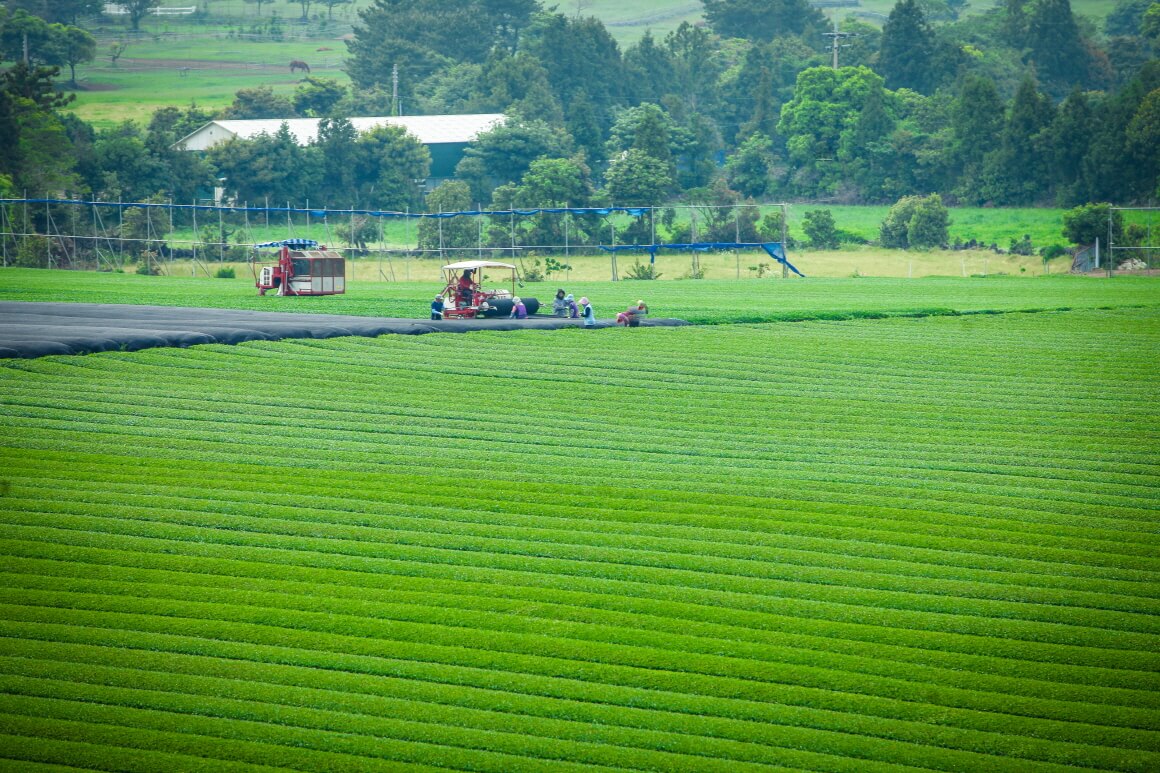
(630, 317)
(519, 310)
(559, 305)
(437, 307)
(570, 302)
(466, 285)
(588, 315)
(636, 312)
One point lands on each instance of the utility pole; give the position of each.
(395, 89)
(836, 41)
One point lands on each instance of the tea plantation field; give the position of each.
(909, 543)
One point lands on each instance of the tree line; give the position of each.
(1023, 104)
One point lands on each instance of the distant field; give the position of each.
(206, 69)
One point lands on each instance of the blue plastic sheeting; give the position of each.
(774, 249)
(294, 244)
(321, 214)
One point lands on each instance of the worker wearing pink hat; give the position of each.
(587, 314)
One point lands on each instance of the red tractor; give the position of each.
(303, 268)
(465, 298)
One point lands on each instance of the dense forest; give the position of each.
(1022, 104)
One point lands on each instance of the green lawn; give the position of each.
(985, 225)
(705, 301)
(837, 545)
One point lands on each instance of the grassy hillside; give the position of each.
(862, 545)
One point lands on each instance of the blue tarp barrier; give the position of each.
(774, 250)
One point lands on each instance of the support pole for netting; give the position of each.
(172, 237)
(27, 223)
(1147, 252)
(479, 230)
(442, 256)
(784, 232)
(381, 250)
(221, 237)
(193, 241)
(612, 258)
(1111, 248)
(48, 234)
(4, 233)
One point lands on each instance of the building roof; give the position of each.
(428, 129)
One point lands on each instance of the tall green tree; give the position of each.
(1066, 142)
(651, 130)
(317, 97)
(1055, 45)
(22, 27)
(634, 178)
(976, 126)
(1126, 17)
(753, 91)
(508, 19)
(35, 152)
(389, 164)
(1150, 23)
(76, 46)
(695, 70)
(138, 10)
(748, 170)
(1014, 173)
(866, 147)
(130, 171)
(450, 232)
(763, 20)
(267, 167)
(826, 105)
(186, 174)
(583, 123)
(549, 182)
(519, 86)
(1143, 135)
(504, 153)
(422, 36)
(648, 70)
(338, 154)
(579, 55)
(906, 57)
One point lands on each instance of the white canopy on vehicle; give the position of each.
(474, 264)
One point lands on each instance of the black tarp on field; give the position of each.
(39, 329)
